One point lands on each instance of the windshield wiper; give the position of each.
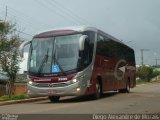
(56, 61)
(43, 61)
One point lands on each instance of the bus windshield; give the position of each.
(54, 54)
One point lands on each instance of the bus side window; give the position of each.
(86, 53)
(104, 46)
(91, 37)
(100, 45)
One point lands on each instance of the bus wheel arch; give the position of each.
(127, 87)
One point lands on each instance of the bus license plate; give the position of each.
(51, 91)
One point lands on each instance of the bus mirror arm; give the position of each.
(82, 42)
(21, 47)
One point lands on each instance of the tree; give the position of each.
(9, 58)
(156, 73)
(145, 73)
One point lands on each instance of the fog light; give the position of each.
(28, 91)
(78, 89)
(30, 82)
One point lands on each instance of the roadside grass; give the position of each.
(139, 82)
(13, 97)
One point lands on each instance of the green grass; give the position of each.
(144, 82)
(138, 82)
(156, 81)
(14, 97)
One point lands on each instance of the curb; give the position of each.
(22, 101)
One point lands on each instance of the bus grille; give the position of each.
(51, 84)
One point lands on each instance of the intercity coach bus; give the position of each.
(78, 61)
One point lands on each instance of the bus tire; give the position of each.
(128, 87)
(54, 98)
(98, 92)
(122, 90)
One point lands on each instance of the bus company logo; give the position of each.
(122, 69)
(38, 80)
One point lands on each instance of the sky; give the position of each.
(135, 22)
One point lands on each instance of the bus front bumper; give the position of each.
(70, 90)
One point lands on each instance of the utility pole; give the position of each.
(157, 62)
(142, 50)
(156, 66)
(6, 14)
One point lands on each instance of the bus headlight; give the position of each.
(74, 80)
(78, 89)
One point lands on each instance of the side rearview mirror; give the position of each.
(82, 42)
(21, 47)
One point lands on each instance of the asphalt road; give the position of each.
(142, 99)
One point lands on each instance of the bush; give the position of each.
(138, 82)
(145, 73)
(156, 73)
(18, 97)
(4, 97)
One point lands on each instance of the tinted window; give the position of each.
(106, 46)
(91, 39)
(110, 48)
(125, 52)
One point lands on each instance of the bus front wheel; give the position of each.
(54, 98)
(97, 93)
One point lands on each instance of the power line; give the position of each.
(6, 13)
(24, 33)
(51, 10)
(25, 17)
(68, 11)
(29, 20)
(22, 20)
(10, 13)
(63, 11)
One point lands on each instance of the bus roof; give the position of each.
(72, 30)
(65, 31)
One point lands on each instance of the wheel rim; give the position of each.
(128, 88)
(98, 90)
